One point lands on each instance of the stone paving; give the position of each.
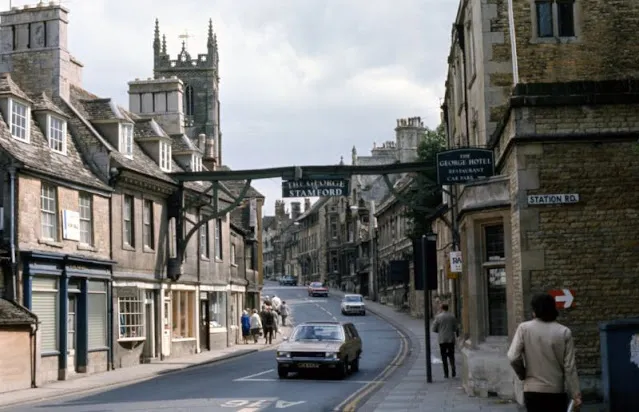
(410, 392)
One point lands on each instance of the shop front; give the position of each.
(71, 296)
(213, 317)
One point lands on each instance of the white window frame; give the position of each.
(126, 139)
(205, 249)
(147, 223)
(189, 309)
(128, 218)
(196, 163)
(57, 134)
(219, 253)
(51, 210)
(18, 131)
(131, 319)
(233, 254)
(165, 156)
(85, 206)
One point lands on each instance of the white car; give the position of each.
(353, 304)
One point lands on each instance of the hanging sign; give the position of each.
(455, 261)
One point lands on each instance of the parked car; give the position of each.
(320, 346)
(288, 280)
(353, 304)
(317, 289)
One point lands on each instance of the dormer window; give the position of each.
(126, 139)
(165, 156)
(196, 163)
(57, 134)
(20, 120)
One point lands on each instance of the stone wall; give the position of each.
(605, 46)
(29, 228)
(15, 358)
(590, 247)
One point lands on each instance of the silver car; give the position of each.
(353, 304)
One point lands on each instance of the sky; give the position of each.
(302, 81)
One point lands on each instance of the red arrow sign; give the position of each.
(563, 297)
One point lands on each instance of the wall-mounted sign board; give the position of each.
(459, 166)
(558, 199)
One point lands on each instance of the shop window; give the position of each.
(131, 319)
(218, 309)
(72, 320)
(183, 303)
(97, 314)
(495, 271)
(44, 303)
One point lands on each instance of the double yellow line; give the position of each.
(350, 404)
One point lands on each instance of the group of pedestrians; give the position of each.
(542, 355)
(264, 323)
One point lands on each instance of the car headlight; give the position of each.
(283, 354)
(332, 355)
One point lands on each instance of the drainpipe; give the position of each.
(13, 295)
(113, 175)
(34, 370)
(513, 42)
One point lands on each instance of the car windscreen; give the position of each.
(318, 333)
(316, 285)
(353, 298)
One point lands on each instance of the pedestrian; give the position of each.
(246, 326)
(268, 324)
(542, 354)
(256, 325)
(445, 325)
(284, 312)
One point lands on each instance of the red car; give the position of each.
(317, 289)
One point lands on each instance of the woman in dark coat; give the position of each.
(246, 326)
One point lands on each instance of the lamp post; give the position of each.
(426, 242)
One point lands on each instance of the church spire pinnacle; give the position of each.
(211, 37)
(164, 44)
(156, 38)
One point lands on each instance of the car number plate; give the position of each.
(308, 365)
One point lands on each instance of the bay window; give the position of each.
(495, 271)
(131, 318)
(183, 302)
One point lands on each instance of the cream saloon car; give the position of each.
(353, 304)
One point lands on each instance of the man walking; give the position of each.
(268, 324)
(445, 325)
(284, 312)
(543, 356)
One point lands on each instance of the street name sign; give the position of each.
(558, 199)
(563, 297)
(315, 188)
(459, 166)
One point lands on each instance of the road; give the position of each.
(249, 383)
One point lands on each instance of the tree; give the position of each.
(424, 194)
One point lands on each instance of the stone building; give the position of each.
(18, 339)
(554, 96)
(309, 253)
(89, 222)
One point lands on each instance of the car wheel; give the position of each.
(282, 373)
(343, 370)
(355, 365)
(363, 313)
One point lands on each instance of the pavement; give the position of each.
(408, 390)
(242, 378)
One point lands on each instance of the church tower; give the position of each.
(200, 75)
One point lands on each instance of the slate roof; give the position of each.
(43, 103)
(236, 186)
(147, 127)
(104, 109)
(181, 143)
(13, 314)
(9, 87)
(267, 221)
(36, 155)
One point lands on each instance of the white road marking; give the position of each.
(245, 378)
(249, 410)
(284, 404)
(306, 381)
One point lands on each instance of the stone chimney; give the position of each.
(33, 47)
(307, 205)
(296, 210)
(280, 209)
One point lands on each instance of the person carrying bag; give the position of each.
(542, 354)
